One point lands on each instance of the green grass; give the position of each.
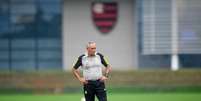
(111, 97)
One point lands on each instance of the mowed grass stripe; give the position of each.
(111, 97)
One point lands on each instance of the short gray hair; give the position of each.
(89, 43)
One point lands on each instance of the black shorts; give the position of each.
(95, 87)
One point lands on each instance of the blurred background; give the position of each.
(152, 45)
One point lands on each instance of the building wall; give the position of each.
(30, 35)
(120, 45)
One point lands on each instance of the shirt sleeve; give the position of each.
(103, 61)
(78, 63)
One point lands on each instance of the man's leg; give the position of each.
(89, 92)
(101, 91)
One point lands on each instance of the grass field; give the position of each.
(111, 97)
(184, 85)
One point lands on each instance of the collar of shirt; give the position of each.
(86, 54)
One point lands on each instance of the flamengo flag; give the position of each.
(104, 15)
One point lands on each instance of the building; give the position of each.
(51, 34)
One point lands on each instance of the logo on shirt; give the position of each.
(104, 15)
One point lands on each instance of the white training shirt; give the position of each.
(91, 65)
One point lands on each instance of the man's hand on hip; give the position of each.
(83, 81)
(103, 78)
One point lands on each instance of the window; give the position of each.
(30, 34)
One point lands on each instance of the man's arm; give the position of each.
(107, 69)
(106, 73)
(78, 76)
(76, 72)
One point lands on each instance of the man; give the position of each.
(93, 77)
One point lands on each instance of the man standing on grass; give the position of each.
(93, 77)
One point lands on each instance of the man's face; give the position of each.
(91, 49)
